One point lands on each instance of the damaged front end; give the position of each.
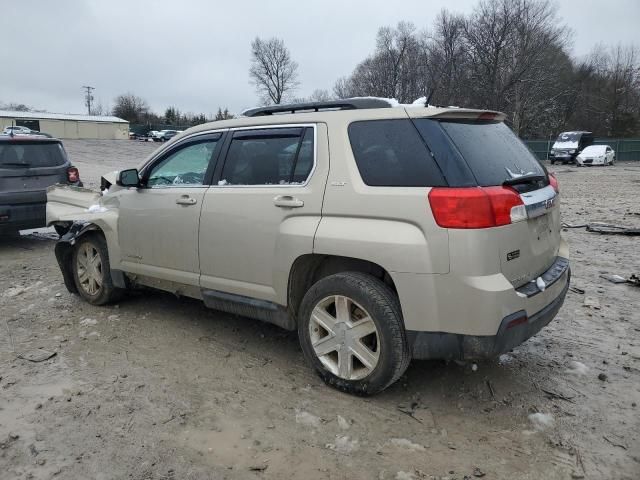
(64, 251)
(74, 211)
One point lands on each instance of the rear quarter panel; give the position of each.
(390, 226)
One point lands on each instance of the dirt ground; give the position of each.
(159, 387)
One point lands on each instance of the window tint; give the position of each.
(491, 150)
(185, 167)
(391, 153)
(32, 155)
(269, 157)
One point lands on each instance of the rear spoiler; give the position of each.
(456, 114)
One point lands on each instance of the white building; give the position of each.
(63, 125)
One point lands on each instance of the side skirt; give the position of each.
(249, 307)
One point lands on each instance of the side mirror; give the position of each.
(128, 178)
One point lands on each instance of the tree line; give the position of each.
(135, 110)
(506, 55)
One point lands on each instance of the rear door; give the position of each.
(489, 153)
(263, 210)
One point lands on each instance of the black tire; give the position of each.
(106, 292)
(553, 162)
(383, 307)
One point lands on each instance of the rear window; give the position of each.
(392, 153)
(492, 152)
(31, 155)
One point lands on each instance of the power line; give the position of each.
(88, 98)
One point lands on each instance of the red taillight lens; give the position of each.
(553, 181)
(73, 175)
(476, 207)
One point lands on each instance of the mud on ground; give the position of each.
(159, 387)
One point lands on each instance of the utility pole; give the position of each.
(88, 98)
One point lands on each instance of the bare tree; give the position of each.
(131, 108)
(273, 72)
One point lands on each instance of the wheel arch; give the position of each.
(309, 268)
(64, 249)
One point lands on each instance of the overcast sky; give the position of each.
(195, 54)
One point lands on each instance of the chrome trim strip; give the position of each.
(538, 202)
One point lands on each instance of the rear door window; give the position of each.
(31, 154)
(491, 150)
(275, 156)
(392, 153)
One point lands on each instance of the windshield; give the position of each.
(569, 137)
(32, 155)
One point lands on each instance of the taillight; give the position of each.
(73, 175)
(553, 181)
(476, 207)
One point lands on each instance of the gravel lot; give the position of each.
(161, 388)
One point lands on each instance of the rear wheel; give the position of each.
(351, 331)
(91, 271)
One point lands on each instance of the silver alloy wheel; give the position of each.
(89, 266)
(344, 337)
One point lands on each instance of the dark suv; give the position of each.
(28, 165)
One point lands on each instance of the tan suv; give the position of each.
(380, 233)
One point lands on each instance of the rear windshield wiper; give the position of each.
(15, 164)
(524, 179)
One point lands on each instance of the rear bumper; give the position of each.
(514, 329)
(22, 216)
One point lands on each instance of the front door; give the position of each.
(158, 223)
(263, 210)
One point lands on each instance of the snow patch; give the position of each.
(541, 421)
(577, 368)
(307, 419)
(505, 359)
(407, 444)
(88, 322)
(96, 209)
(343, 445)
(222, 182)
(540, 283)
(342, 423)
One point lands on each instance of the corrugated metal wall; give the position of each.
(75, 129)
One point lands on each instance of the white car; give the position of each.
(17, 130)
(596, 155)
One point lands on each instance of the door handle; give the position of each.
(287, 201)
(186, 200)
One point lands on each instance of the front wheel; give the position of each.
(91, 271)
(351, 331)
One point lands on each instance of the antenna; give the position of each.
(88, 98)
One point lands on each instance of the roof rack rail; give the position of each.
(343, 104)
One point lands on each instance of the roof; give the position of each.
(60, 116)
(28, 139)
